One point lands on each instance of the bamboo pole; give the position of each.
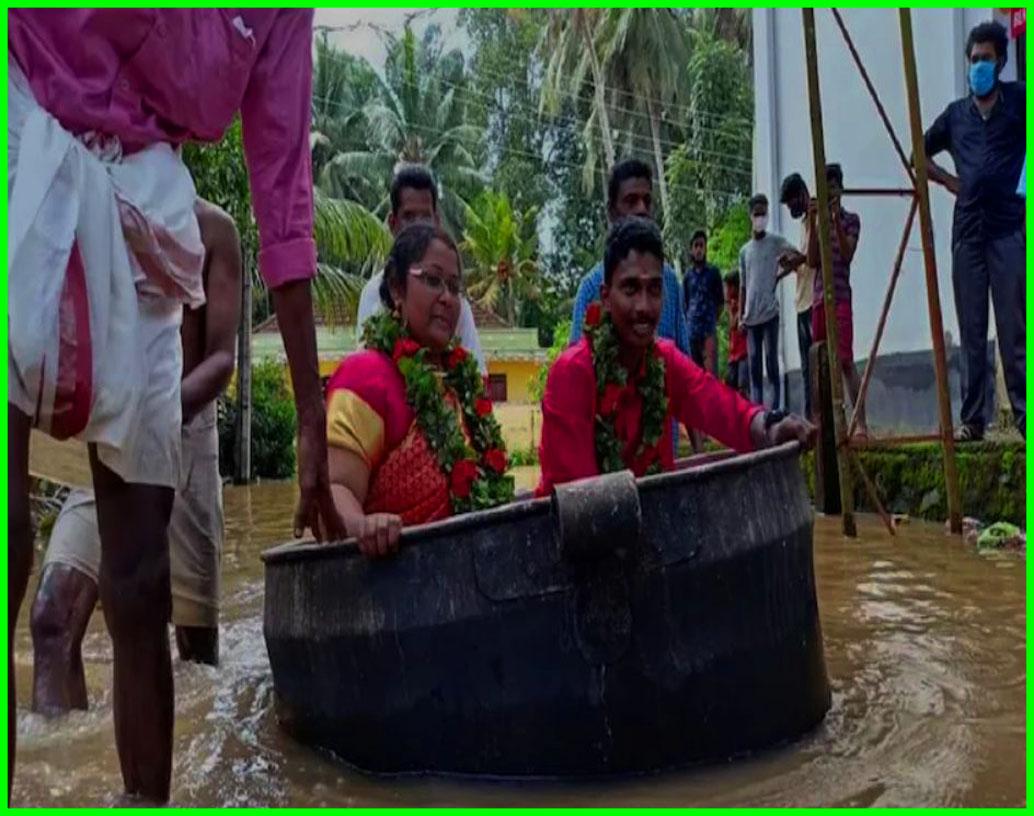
(835, 376)
(901, 192)
(874, 495)
(875, 96)
(242, 474)
(891, 441)
(870, 363)
(951, 474)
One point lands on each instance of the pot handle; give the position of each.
(596, 517)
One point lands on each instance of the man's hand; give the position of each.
(378, 534)
(939, 175)
(293, 304)
(316, 510)
(788, 429)
(792, 428)
(791, 259)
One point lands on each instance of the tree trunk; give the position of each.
(601, 97)
(243, 429)
(658, 156)
(512, 306)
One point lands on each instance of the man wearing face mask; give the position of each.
(986, 135)
(760, 259)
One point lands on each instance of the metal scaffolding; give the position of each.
(916, 172)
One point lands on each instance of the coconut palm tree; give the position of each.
(417, 115)
(501, 246)
(734, 25)
(342, 85)
(570, 51)
(351, 244)
(643, 53)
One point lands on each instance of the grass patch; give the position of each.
(910, 479)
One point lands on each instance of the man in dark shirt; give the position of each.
(702, 285)
(986, 135)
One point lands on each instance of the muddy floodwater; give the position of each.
(924, 645)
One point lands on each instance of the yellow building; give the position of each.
(512, 355)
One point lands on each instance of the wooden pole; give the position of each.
(933, 298)
(242, 474)
(874, 494)
(881, 324)
(875, 96)
(835, 379)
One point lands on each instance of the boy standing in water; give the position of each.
(68, 589)
(737, 375)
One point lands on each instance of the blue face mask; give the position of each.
(982, 77)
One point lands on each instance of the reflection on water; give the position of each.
(924, 644)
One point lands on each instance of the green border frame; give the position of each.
(538, 4)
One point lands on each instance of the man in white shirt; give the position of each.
(414, 197)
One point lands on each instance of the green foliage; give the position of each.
(644, 52)
(537, 385)
(524, 457)
(710, 172)
(416, 113)
(221, 176)
(273, 423)
(727, 238)
(723, 249)
(352, 245)
(501, 244)
(503, 95)
(910, 480)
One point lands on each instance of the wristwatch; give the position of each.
(773, 417)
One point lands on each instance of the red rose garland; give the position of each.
(475, 470)
(613, 430)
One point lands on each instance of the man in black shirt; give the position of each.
(986, 135)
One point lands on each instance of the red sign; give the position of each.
(1018, 18)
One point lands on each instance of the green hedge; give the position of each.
(910, 479)
(273, 424)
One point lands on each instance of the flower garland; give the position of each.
(476, 472)
(613, 388)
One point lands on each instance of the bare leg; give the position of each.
(61, 612)
(135, 594)
(19, 558)
(198, 644)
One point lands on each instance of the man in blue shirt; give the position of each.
(702, 287)
(986, 135)
(630, 192)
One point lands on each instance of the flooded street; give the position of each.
(924, 644)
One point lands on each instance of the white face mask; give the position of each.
(759, 222)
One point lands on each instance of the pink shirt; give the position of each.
(567, 450)
(173, 75)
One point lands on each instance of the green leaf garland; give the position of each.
(612, 385)
(476, 472)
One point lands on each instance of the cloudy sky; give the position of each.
(355, 29)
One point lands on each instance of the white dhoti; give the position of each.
(103, 252)
(195, 528)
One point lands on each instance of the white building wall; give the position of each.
(855, 137)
